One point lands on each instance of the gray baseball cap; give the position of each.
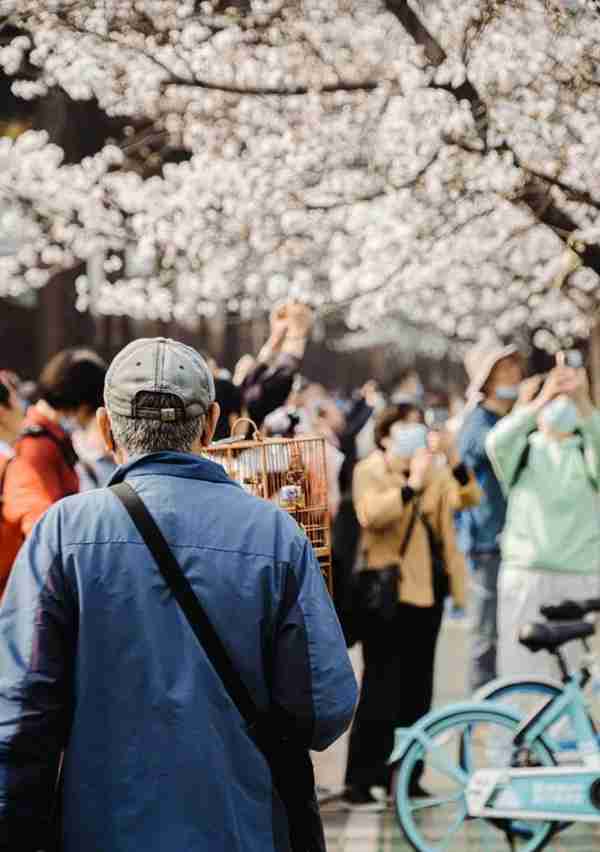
(152, 366)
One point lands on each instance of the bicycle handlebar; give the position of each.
(569, 610)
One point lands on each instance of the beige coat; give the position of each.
(384, 520)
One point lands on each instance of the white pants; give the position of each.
(520, 596)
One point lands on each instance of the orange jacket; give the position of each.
(11, 537)
(39, 474)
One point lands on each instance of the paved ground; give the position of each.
(356, 832)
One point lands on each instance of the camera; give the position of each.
(572, 358)
(436, 418)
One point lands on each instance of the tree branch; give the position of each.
(436, 56)
(230, 88)
(549, 214)
(211, 85)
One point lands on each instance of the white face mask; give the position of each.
(507, 393)
(407, 438)
(379, 403)
(561, 415)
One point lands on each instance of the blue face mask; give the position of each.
(561, 415)
(507, 393)
(69, 424)
(407, 439)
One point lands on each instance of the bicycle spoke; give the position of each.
(442, 764)
(489, 829)
(435, 802)
(453, 830)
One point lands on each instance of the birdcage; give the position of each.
(291, 473)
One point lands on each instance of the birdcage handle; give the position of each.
(256, 433)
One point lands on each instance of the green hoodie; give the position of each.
(553, 518)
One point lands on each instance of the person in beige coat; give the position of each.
(405, 496)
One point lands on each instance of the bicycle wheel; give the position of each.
(527, 695)
(454, 746)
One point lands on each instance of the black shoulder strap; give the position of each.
(521, 465)
(591, 479)
(435, 543)
(411, 526)
(188, 601)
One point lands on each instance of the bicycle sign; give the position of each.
(555, 794)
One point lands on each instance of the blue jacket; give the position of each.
(96, 657)
(479, 528)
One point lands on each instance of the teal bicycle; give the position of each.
(492, 774)
(525, 694)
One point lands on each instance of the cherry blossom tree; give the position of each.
(429, 158)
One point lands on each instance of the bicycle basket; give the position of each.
(289, 472)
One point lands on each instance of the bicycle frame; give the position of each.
(557, 793)
(571, 703)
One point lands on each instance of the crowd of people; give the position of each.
(486, 510)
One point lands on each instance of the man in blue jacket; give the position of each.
(97, 660)
(495, 372)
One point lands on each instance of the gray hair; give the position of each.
(139, 436)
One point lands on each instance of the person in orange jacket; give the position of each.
(11, 422)
(43, 469)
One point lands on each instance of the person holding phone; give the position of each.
(405, 503)
(546, 455)
(495, 372)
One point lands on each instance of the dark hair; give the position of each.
(437, 398)
(390, 415)
(72, 378)
(4, 395)
(229, 397)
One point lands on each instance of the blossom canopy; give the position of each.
(431, 158)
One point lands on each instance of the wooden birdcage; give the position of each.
(292, 473)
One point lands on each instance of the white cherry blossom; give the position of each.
(429, 159)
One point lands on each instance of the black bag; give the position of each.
(290, 764)
(375, 591)
(439, 575)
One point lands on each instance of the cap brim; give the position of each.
(486, 368)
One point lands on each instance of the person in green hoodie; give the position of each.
(546, 455)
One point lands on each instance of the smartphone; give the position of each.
(572, 358)
(436, 418)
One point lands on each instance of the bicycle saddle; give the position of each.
(569, 610)
(540, 636)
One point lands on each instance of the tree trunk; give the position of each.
(595, 362)
(60, 324)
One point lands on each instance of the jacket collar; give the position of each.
(182, 465)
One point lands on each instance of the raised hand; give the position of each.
(279, 325)
(300, 319)
(420, 467)
(443, 442)
(529, 389)
(561, 380)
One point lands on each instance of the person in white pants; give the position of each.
(546, 455)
